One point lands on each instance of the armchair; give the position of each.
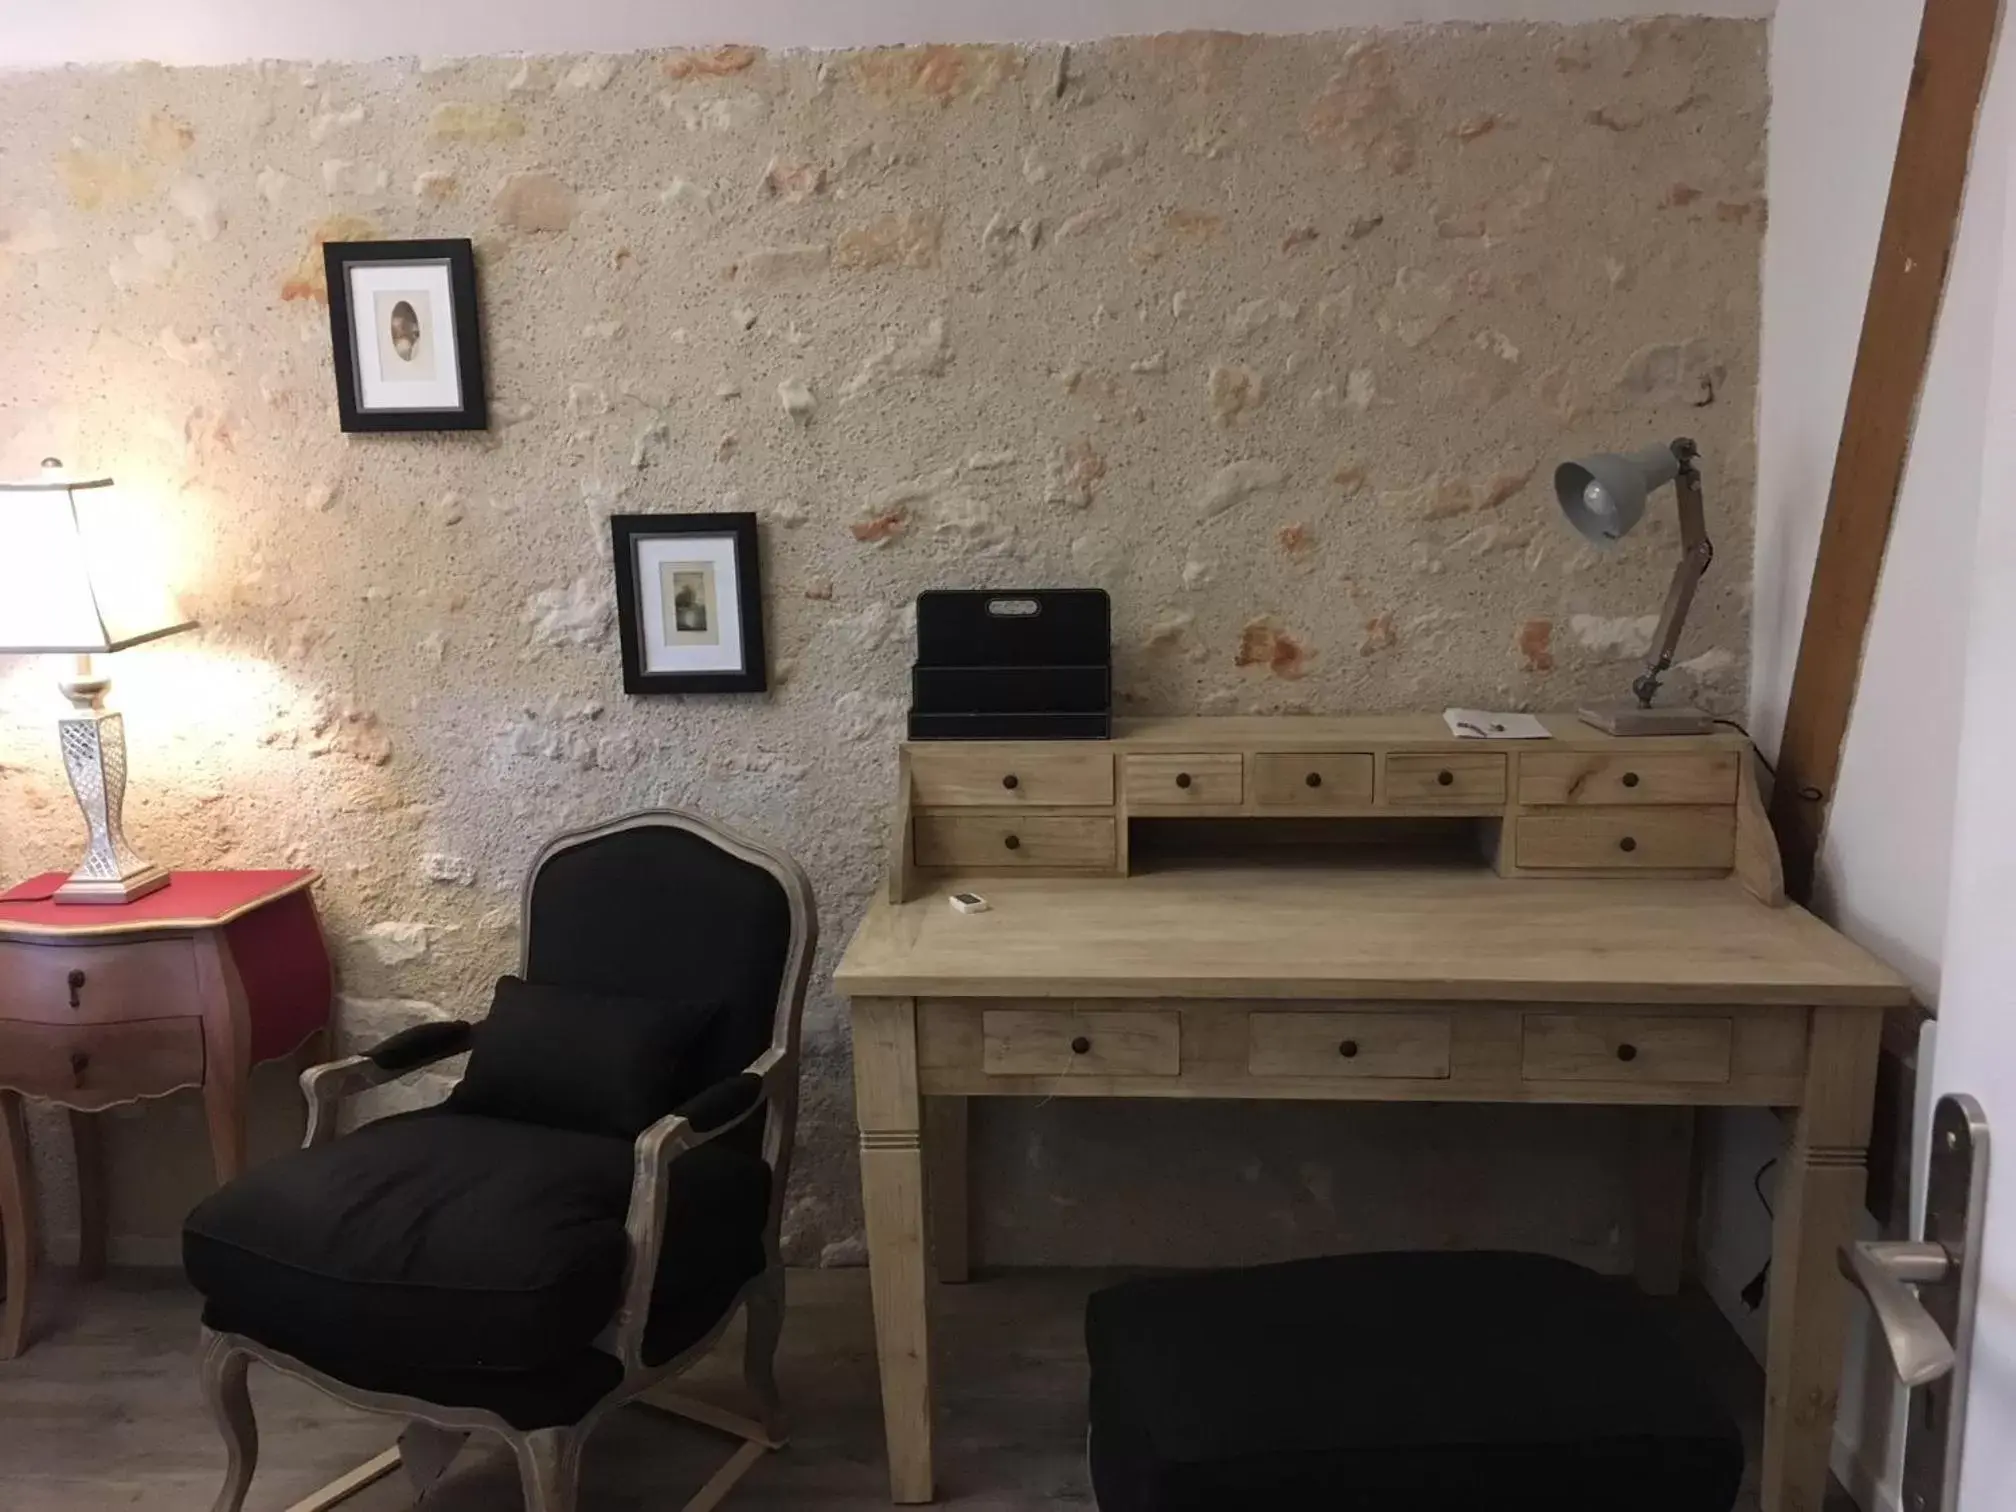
(481, 1274)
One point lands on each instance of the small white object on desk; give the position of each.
(1481, 724)
(969, 903)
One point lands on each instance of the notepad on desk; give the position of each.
(1481, 724)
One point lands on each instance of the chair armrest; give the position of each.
(325, 1086)
(702, 1119)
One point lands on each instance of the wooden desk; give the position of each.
(1289, 978)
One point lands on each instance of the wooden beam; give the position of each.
(1920, 225)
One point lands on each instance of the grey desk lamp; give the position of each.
(1604, 498)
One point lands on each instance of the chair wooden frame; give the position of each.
(549, 1459)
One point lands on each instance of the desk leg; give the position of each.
(889, 1112)
(945, 1151)
(17, 1217)
(1819, 1195)
(90, 1195)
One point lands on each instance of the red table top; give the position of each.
(191, 900)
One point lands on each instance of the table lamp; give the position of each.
(67, 587)
(1604, 498)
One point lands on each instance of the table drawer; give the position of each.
(1081, 1042)
(1313, 779)
(1001, 842)
(1616, 1047)
(1348, 1044)
(1212, 780)
(101, 1062)
(1558, 778)
(1471, 781)
(993, 775)
(1679, 838)
(151, 979)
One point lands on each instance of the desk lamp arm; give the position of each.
(1696, 553)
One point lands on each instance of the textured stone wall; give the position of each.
(1277, 339)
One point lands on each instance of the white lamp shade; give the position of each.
(70, 578)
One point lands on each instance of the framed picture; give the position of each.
(689, 603)
(409, 351)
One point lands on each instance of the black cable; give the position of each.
(1809, 793)
(1757, 1184)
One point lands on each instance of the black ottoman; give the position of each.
(1399, 1383)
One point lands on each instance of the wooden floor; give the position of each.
(103, 1411)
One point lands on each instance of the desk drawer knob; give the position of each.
(1011, 782)
(1349, 1049)
(76, 981)
(1183, 779)
(1081, 1046)
(1013, 842)
(1627, 844)
(1314, 779)
(79, 1064)
(1630, 779)
(1627, 1053)
(1445, 777)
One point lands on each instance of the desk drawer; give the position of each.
(1081, 1042)
(151, 979)
(1348, 1044)
(1614, 1047)
(1003, 842)
(1313, 779)
(1469, 781)
(996, 776)
(1213, 780)
(1568, 778)
(100, 1063)
(1676, 838)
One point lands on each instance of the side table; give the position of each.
(190, 986)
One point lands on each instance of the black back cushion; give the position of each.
(659, 912)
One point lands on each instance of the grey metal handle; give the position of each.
(1884, 1271)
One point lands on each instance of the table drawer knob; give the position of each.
(1627, 1053)
(1182, 779)
(76, 981)
(1349, 1049)
(1013, 842)
(1011, 782)
(79, 1064)
(1314, 779)
(1445, 777)
(1627, 844)
(1630, 779)
(1081, 1046)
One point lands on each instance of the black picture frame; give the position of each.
(338, 258)
(625, 533)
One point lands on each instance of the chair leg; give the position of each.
(223, 1373)
(759, 1349)
(549, 1468)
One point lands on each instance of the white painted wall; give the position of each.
(1977, 1031)
(36, 33)
(1839, 70)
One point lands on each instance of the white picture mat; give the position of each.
(718, 552)
(369, 343)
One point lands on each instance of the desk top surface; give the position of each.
(1288, 930)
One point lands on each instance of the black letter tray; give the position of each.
(1012, 664)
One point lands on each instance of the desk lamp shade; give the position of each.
(71, 583)
(1604, 496)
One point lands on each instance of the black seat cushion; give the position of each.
(1399, 1383)
(441, 1242)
